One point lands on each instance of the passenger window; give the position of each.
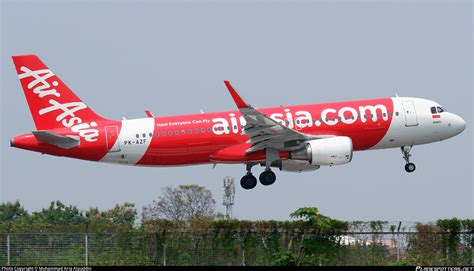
(163, 133)
(144, 135)
(150, 134)
(157, 134)
(384, 114)
(203, 130)
(138, 135)
(396, 114)
(440, 110)
(176, 132)
(196, 130)
(209, 129)
(170, 133)
(183, 132)
(433, 110)
(235, 127)
(190, 131)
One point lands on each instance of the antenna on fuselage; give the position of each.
(202, 112)
(396, 95)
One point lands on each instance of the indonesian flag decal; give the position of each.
(436, 116)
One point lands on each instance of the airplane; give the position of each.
(291, 138)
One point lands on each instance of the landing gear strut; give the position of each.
(248, 181)
(409, 167)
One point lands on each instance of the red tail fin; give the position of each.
(52, 103)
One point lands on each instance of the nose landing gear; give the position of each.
(409, 167)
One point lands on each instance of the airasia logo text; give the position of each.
(66, 111)
(302, 119)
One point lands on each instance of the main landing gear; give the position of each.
(249, 181)
(409, 167)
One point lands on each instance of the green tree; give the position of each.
(11, 211)
(123, 214)
(182, 203)
(320, 247)
(58, 213)
(312, 216)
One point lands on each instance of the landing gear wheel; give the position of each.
(248, 182)
(410, 167)
(267, 177)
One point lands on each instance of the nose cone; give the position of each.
(457, 124)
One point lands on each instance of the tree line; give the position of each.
(183, 220)
(185, 205)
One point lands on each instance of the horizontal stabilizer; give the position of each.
(61, 141)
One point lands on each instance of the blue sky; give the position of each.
(172, 56)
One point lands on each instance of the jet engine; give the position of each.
(325, 152)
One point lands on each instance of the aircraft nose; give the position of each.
(458, 124)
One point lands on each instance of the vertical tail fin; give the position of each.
(52, 103)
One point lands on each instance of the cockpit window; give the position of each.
(440, 109)
(433, 110)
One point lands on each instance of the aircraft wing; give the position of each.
(265, 132)
(61, 141)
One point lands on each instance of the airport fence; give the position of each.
(179, 248)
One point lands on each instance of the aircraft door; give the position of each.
(411, 119)
(111, 139)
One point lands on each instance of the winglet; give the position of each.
(237, 99)
(149, 114)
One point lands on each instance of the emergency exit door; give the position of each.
(411, 118)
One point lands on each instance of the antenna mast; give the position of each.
(229, 194)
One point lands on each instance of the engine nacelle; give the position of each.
(326, 151)
(295, 166)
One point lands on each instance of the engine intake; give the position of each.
(325, 152)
